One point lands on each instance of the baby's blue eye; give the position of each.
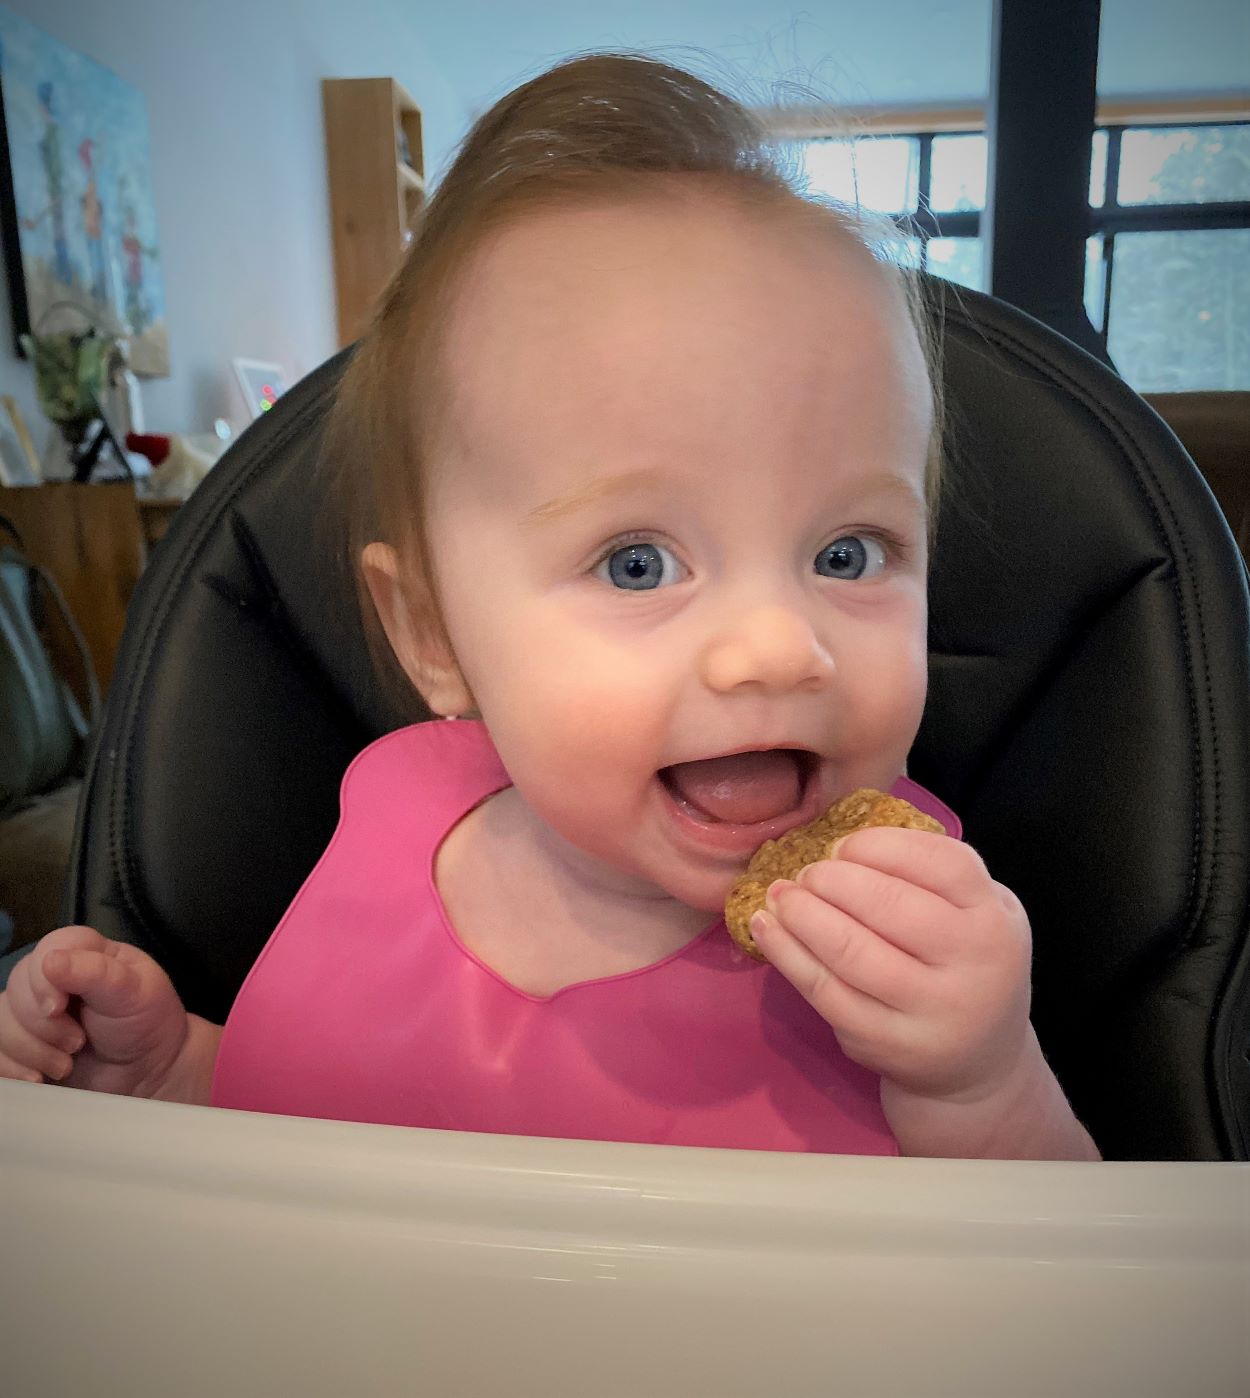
(850, 558)
(639, 567)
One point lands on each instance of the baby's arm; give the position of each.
(920, 962)
(1024, 1117)
(89, 1012)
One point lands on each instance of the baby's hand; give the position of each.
(914, 955)
(89, 1012)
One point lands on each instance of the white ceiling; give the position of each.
(902, 51)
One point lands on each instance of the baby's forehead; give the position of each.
(583, 271)
(592, 338)
(683, 222)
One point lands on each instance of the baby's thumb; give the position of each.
(104, 982)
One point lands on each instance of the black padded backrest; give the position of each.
(1088, 716)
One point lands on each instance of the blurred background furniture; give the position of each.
(91, 540)
(1214, 429)
(155, 517)
(376, 166)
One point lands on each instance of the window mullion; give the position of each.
(1111, 190)
(1110, 202)
(923, 180)
(1108, 265)
(1178, 218)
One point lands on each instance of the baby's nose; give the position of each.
(772, 647)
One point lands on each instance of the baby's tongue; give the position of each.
(740, 790)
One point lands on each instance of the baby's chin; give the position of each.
(702, 891)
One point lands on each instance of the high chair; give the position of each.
(1088, 717)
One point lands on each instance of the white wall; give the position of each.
(238, 167)
(904, 51)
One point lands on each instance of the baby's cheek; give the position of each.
(898, 695)
(575, 749)
(902, 716)
(610, 713)
(571, 735)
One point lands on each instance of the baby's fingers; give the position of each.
(34, 997)
(18, 1072)
(856, 954)
(104, 981)
(44, 1049)
(62, 1032)
(949, 869)
(861, 1021)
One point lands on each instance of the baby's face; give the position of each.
(678, 514)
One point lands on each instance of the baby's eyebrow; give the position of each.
(588, 494)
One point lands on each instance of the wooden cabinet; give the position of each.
(90, 538)
(376, 166)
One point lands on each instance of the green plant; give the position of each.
(71, 372)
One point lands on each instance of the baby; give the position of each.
(654, 446)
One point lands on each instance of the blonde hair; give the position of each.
(590, 128)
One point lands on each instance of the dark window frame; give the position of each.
(1111, 217)
(1105, 221)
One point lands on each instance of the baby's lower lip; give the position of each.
(737, 839)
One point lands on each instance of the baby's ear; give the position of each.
(416, 635)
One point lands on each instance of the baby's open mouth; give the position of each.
(744, 788)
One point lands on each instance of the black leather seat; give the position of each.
(1089, 718)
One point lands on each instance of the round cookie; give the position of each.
(783, 858)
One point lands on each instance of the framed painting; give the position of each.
(77, 217)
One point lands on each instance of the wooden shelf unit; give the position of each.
(375, 193)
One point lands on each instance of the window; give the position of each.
(1167, 274)
(932, 185)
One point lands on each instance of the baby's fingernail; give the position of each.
(836, 846)
(759, 923)
(801, 878)
(51, 1007)
(775, 890)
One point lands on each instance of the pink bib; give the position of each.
(365, 1006)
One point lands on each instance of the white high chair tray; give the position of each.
(153, 1249)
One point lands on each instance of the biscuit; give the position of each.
(783, 858)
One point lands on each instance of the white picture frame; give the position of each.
(262, 384)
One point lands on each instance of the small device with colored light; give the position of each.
(262, 384)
